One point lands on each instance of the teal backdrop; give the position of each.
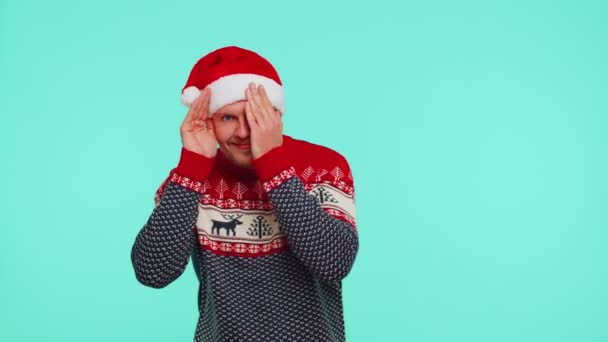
(477, 132)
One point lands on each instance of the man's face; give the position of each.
(232, 133)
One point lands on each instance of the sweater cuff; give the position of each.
(194, 166)
(273, 168)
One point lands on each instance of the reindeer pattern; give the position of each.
(234, 224)
(229, 225)
(248, 220)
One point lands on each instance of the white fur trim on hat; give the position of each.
(189, 95)
(230, 89)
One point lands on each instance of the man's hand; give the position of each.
(265, 123)
(197, 129)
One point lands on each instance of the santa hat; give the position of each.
(227, 72)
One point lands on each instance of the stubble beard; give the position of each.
(241, 158)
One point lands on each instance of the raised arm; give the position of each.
(319, 223)
(322, 236)
(163, 246)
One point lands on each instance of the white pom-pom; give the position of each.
(189, 95)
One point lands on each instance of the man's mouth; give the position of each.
(243, 146)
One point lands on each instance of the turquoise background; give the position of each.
(476, 131)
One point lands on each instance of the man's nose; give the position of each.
(243, 129)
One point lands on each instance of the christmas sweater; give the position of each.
(269, 245)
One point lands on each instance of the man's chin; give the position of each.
(243, 161)
(247, 163)
(241, 158)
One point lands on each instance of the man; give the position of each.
(268, 220)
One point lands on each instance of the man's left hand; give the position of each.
(265, 123)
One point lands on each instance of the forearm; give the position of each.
(162, 247)
(326, 245)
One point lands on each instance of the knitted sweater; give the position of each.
(269, 245)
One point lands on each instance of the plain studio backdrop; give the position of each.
(476, 132)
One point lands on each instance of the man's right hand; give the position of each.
(197, 129)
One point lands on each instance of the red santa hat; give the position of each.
(227, 72)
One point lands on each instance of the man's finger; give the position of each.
(268, 109)
(209, 125)
(193, 110)
(251, 104)
(259, 107)
(250, 116)
(204, 106)
(265, 98)
(257, 101)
